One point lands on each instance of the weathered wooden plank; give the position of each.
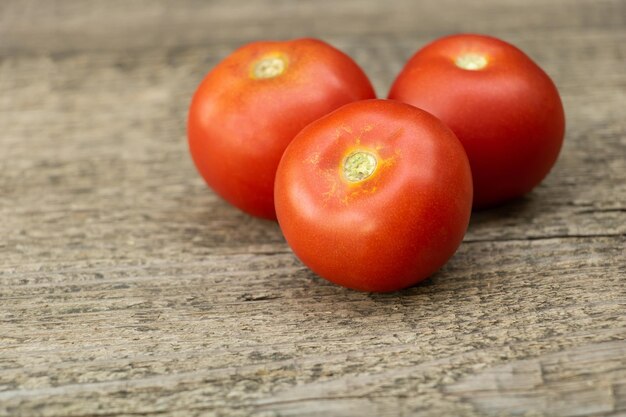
(275, 336)
(551, 383)
(62, 25)
(62, 166)
(127, 288)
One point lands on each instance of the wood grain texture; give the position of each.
(61, 25)
(127, 288)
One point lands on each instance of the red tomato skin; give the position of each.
(396, 227)
(239, 126)
(508, 115)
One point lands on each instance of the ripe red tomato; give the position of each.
(375, 196)
(252, 104)
(503, 108)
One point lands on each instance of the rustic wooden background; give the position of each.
(128, 289)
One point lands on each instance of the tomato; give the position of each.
(375, 196)
(503, 108)
(252, 104)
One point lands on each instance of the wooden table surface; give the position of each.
(127, 288)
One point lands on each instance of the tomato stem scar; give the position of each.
(269, 67)
(471, 62)
(359, 165)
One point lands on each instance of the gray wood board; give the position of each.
(128, 288)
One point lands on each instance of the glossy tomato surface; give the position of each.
(252, 104)
(503, 108)
(375, 196)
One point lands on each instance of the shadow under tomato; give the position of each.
(207, 221)
(518, 208)
(516, 219)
